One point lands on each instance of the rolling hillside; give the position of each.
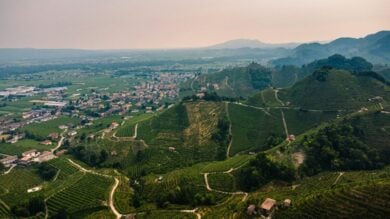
(331, 89)
(373, 47)
(239, 81)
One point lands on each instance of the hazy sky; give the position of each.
(116, 24)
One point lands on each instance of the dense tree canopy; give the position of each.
(262, 170)
(337, 147)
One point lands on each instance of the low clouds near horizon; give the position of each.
(120, 24)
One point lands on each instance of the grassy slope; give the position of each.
(187, 127)
(251, 127)
(22, 146)
(301, 121)
(265, 98)
(340, 91)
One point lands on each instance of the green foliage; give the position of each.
(30, 208)
(262, 170)
(340, 62)
(46, 171)
(252, 127)
(299, 121)
(2, 167)
(210, 96)
(367, 201)
(222, 182)
(87, 192)
(92, 158)
(285, 76)
(338, 148)
(21, 146)
(331, 90)
(240, 81)
(260, 77)
(57, 84)
(265, 98)
(373, 131)
(15, 184)
(222, 138)
(40, 131)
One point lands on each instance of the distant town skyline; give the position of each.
(155, 24)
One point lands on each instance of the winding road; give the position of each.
(277, 97)
(112, 192)
(223, 192)
(193, 211)
(135, 131)
(58, 145)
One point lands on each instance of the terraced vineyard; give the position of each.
(300, 121)
(4, 211)
(65, 168)
(14, 188)
(89, 192)
(264, 98)
(166, 215)
(123, 195)
(23, 145)
(127, 130)
(222, 182)
(221, 166)
(368, 201)
(251, 127)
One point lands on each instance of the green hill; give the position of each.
(239, 81)
(331, 89)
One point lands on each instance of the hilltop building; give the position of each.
(268, 207)
(7, 161)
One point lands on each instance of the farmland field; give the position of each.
(248, 128)
(89, 192)
(222, 182)
(42, 130)
(14, 189)
(23, 145)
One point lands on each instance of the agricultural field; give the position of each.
(299, 121)
(221, 166)
(99, 125)
(17, 107)
(13, 186)
(23, 145)
(248, 128)
(187, 128)
(123, 195)
(64, 167)
(166, 215)
(367, 201)
(128, 128)
(89, 192)
(265, 98)
(42, 130)
(222, 182)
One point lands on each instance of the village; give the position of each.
(156, 92)
(152, 94)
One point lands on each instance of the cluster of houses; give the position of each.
(27, 158)
(8, 124)
(267, 208)
(147, 96)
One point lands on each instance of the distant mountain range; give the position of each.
(374, 47)
(250, 43)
